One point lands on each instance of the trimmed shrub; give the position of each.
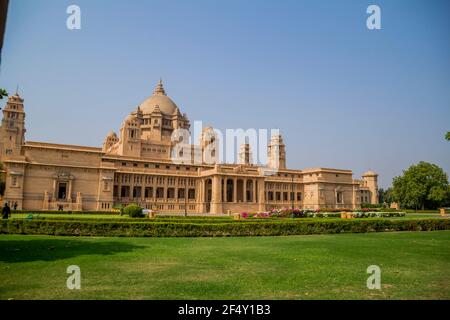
(134, 211)
(146, 228)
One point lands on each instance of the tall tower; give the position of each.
(12, 130)
(130, 137)
(371, 181)
(277, 153)
(209, 145)
(245, 154)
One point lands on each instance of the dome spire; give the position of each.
(159, 90)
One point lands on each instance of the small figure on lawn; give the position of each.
(15, 206)
(6, 211)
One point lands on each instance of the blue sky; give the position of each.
(343, 96)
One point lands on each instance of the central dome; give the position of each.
(160, 99)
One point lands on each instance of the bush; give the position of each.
(134, 211)
(64, 212)
(146, 228)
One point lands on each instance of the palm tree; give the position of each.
(447, 136)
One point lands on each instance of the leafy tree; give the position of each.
(424, 185)
(385, 196)
(447, 136)
(3, 93)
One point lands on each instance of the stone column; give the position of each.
(132, 177)
(69, 193)
(200, 196)
(166, 183)
(235, 190)
(261, 195)
(143, 185)
(216, 203)
(224, 191)
(54, 190)
(244, 189)
(254, 190)
(45, 203)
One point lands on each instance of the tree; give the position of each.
(3, 93)
(385, 196)
(447, 136)
(424, 185)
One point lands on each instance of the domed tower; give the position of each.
(160, 116)
(130, 137)
(277, 153)
(12, 130)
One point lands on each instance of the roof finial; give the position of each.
(159, 88)
(17, 89)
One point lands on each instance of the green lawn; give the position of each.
(414, 266)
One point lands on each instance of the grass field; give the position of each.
(414, 265)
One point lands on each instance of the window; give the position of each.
(124, 164)
(339, 197)
(191, 194)
(136, 192)
(149, 192)
(299, 196)
(160, 193)
(125, 191)
(135, 165)
(62, 191)
(170, 193)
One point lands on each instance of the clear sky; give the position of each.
(343, 96)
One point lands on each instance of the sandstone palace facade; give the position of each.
(135, 166)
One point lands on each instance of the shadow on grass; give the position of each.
(28, 250)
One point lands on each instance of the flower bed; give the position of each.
(305, 213)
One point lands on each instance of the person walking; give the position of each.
(6, 211)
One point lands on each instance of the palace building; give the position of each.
(135, 166)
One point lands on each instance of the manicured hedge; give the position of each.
(65, 212)
(167, 229)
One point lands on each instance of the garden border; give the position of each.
(188, 229)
